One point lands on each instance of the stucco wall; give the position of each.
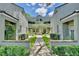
(10, 8)
(65, 42)
(16, 12)
(15, 43)
(2, 27)
(62, 12)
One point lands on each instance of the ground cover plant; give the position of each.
(46, 40)
(65, 50)
(14, 51)
(32, 41)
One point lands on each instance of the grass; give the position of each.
(46, 40)
(32, 41)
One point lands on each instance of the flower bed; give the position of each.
(32, 41)
(46, 40)
(14, 51)
(65, 50)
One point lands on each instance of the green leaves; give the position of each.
(10, 31)
(65, 50)
(32, 41)
(46, 40)
(14, 51)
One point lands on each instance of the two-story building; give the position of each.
(12, 21)
(39, 25)
(65, 21)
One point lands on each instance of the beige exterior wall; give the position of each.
(62, 12)
(16, 12)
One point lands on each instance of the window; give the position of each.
(72, 34)
(10, 30)
(40, 19)
(57, 28)
(47, 22)
(31, 22)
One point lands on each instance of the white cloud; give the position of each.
(41, 11)
(33, 4)
(27, 4)
(51, 13)
(42, 4)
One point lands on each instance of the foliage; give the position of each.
(14, 51)
(65, 50)
(10, 31)
(32, 41)
(46, 40)
(54, 36)
(27, 15)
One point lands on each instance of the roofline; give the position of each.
(60, 5)
(1, 11)
(77, 11)
(18, 6)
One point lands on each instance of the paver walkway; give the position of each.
(40, 49)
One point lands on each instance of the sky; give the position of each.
(34, 9)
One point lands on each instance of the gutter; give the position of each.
(77, 11)
(1, 11)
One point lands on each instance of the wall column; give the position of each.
(61, 31)
(76, 27)
(17, 28)
(2, 28)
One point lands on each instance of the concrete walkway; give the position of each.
(40, 49)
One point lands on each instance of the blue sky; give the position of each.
(35, 9)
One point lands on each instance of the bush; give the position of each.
(14, 51)
(32, 41)
(55, 36)
(46, 40)
(65, 50)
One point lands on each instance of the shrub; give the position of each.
(65, 50)
(55, 36)
(14, 51)
(32, 41)
(46, 40)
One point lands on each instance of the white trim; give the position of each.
(68, 18)
(9, 17)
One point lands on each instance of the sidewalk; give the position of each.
(40, 49)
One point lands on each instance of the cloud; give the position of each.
(51, 13)
(42, 4)
(33, 4)
(27, 4)
(41, 11)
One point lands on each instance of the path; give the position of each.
(40, 49)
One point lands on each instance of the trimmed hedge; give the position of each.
(14, 51)
(46, 40)
(32, 41)
(65, 50)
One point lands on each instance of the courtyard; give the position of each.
(41, 29)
